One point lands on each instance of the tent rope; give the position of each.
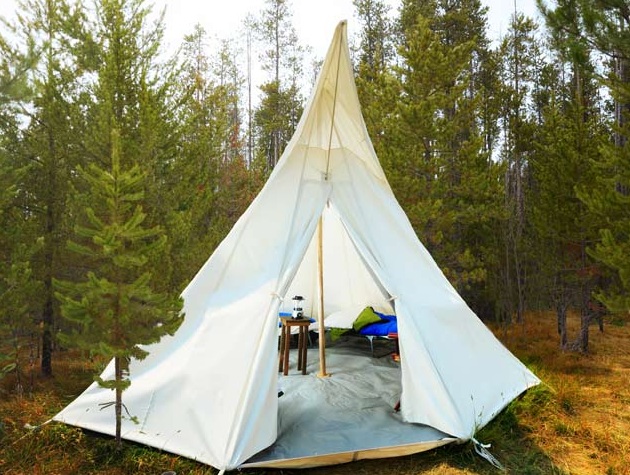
(332, 122)
(482, 451)
(31, 430)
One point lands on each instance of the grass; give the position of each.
(577, 422)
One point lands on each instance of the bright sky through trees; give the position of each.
(315, 20)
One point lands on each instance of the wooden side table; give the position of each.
(285, 340)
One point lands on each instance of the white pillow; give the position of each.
(341, 318)
(345, 317)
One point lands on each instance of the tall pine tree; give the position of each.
(132, 89)
(604, 27)
(376, 85)
(280, 107)
(18, 289)
(209, 175)
(436, 159)
(116, 308)
(50, 144)
(519, 68)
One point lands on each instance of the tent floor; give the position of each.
(344, 417)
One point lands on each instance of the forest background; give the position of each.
(510, 158)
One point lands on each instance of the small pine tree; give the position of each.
(115, 309)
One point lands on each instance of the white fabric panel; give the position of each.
(348, 283)
(467, 375)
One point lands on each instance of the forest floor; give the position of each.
(577, 422)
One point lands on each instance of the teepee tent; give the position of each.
(210, 391)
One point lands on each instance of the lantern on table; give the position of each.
(298, 310)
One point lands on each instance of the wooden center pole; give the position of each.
(320, 314)
(320, 226)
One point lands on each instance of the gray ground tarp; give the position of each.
(347, 416)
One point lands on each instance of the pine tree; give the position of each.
(280, 107)
(210, 178)
(116, 308)
(376, 45)
(49, 144)
(18, 289)
(568, 146)
(132, 89)
(275, 121)
(604, 27)
(195, 169)
(521, 64)
(610, 200)
(14, 68)
(435, 160)
(376, 85)
(571, 135)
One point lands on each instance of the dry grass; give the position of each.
(585, 429)
(578, 422)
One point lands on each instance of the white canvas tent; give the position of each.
(210, 391)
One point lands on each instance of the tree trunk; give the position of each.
(118, 369)
(48, 318)
(581, 344)
(47, 330)
(561, 312)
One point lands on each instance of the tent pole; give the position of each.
(320, 255)
(320, 316)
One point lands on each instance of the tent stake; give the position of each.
(320, 315)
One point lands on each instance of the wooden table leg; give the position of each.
(287, 343)
(282, 337)
(303, 348)
(300, 344)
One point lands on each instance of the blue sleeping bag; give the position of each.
(387, 324)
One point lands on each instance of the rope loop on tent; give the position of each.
(482, 451)
(277, 296)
